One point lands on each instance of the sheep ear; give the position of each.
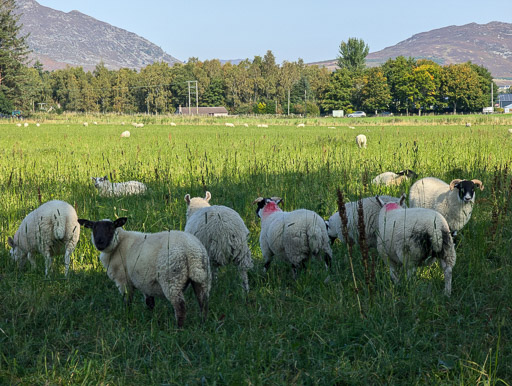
(454, 183)
(105, 178)
(120, 222)
(207, 196)
(401, 172)
(402, 199)
(379, 201)
(258, 200)
(85, 223)
(277, 200)
(10, 241)
(187, 199)
(478, 184)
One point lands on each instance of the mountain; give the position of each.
(489, 45)
(58, 39)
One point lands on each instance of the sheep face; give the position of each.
(408, 173)
(267, 205)
(466, 189)
(99, 180)
(104, 232)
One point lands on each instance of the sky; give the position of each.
(291, 29)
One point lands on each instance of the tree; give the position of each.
(460, 86)
(338, 92)
(352, 55)
(397, 71)
(425, 82)
(13, 54)
(375, 92)
(288, 75)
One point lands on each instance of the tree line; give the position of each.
(258, 86)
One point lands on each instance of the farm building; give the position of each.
(210, 111)
(504, 100)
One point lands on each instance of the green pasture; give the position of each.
(77, 330)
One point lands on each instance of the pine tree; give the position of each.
(13, 54)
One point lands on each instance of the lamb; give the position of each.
(390, 178)
(222, 231)
(51, 229)
(125, 134)
(361, 140)
(229, 124)
(371, 211)
(157, 264)
(407, 237)
(454, 201)
(25, 124)
(37, 124)
(108, 189)
(294, 236)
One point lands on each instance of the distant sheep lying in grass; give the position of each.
(222, 231)
(294, 236)
(157, 264)
(301, 125)
(51, 229)
(125, 134)
(361, 140)
(227, 124)
(454, 201)
(408, 237)
(85, 124)
(107, 188)
(390, 178)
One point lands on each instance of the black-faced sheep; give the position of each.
(51, 229)
(454, 201)
(408, 237)
(222, 231)
(294, 236)
(157, 264)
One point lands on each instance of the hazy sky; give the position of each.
(311, 30)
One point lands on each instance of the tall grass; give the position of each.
(310, 330)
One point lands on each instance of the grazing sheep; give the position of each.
(301, 125)
(390, 178)
(85, 124)
(125, 134)
(223, 232)
(454, 201)
(95, 123)
(468, 124)
(227, 124)
(352, 127)
(510, 131)
(361, 140)
(18, 124)
(173, 124)
(157, 264)
(408, 237)
(134, 124)
(246, 125)
(37, 124)
(122, 123)
(25, 124)
(294, 236)
(107, 188)
(51, 229)
(262, 125)
(371, 211)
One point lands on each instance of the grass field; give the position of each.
(306, 331)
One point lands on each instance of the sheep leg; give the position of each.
(201, 291)
(150, 301)
(180, 311)
(327, 260)
(48, 262)
(31, 259)
(447, 277)
(245, 280)
(67, 261)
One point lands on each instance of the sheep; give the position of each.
(107, 188)
(134, 124)
(510, 131)
(222, 231)
(468, 124)
(227, 124)
(95, 123)
(352, 127)
(173, 124)
(85, 124)
(407, 237)
(246, 125)
(51, 229)
(157, 264)
(25, 124)
(294, 236)
(390, 178)
(371, 211)
(122, 123)
(37, 124)
(125, 134)
(361, 140)
(18, 124)
(262, 125)
(455, 205)
(301, 125)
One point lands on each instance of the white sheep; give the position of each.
(85, 124)
(51, 229)
(18, 124)
(125, 134)
(107, 188)
(454, 201)
(246, 125)
(227, 124)
(95, 123)
(157, 264)
(25, 124)
(301, 125)
(37, 124)
(361, 140)
(408, 237)
(371, 211)
(262, 125)
(510, 131)
(352, 127)
(222, 231)
(390, 178)
(173, 124)
(294, 236)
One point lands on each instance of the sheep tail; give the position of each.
(59, 225)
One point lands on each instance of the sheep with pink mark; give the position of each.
(413, 237)
(294, 236)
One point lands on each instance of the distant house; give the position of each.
(209, 111)
(504, 100)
